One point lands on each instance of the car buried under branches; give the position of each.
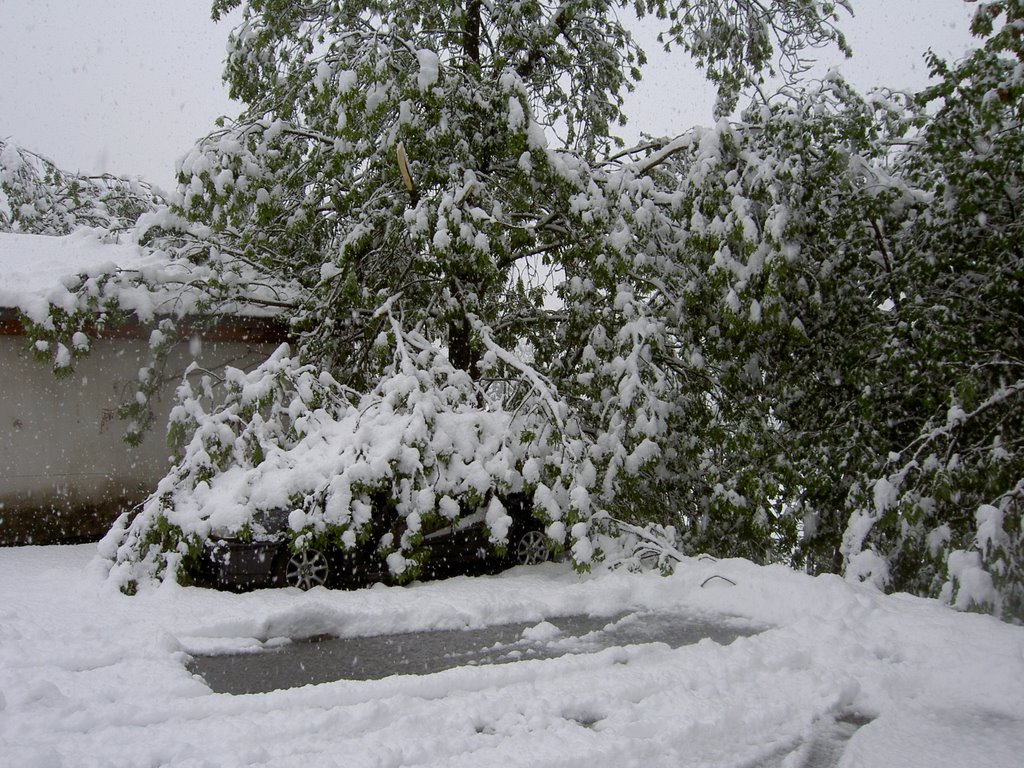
(266, 559)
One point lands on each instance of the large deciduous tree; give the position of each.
(855, 280)
(945, 512)
(434, 198)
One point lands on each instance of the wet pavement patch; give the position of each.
(322, 660)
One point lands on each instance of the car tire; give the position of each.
(304, 570)
(529, 547)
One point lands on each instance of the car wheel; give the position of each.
(305, 570)
(530, 548)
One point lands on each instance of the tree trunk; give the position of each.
(471, 32)
(460, 344)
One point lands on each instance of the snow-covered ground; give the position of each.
(89, 677)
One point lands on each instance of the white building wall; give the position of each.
(65, 471)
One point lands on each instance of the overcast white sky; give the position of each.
(126, 86)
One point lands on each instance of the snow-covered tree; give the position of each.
(854, 280)
(439, 186)
(42, 199)
(777, 273)
(946, 510)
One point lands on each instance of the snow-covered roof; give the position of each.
(36, 270)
